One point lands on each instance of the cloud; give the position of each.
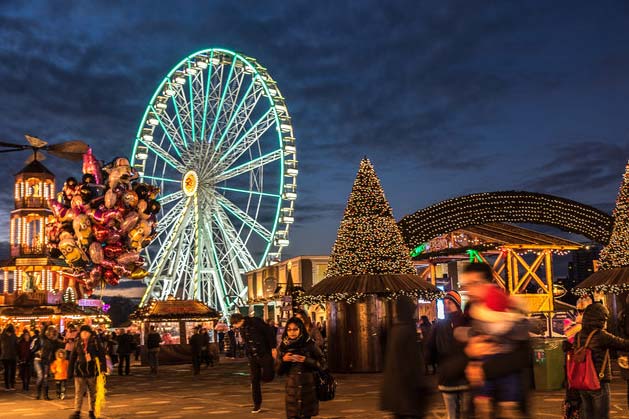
(580, 166)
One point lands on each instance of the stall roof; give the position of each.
(175, 309)
(47, 310)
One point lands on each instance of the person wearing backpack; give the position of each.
(595, 404)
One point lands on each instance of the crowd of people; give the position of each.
(46, 358)
(480, 353)
(482, 356)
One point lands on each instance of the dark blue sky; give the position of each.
(446, 98)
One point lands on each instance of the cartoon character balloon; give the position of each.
(101, 224)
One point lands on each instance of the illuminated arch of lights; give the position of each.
(506, 207)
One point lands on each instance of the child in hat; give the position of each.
(59, 369)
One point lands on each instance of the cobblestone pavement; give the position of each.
(222, 392)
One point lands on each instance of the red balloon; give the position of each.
(100, 233)
(113, 251)
(108, 264)
(110, 277)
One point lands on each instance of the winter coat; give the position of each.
(79, 366)
(258, 337)
(59, 369)
(125, 344)
(24, 351)
(153, 340)
(442, 348)
(197, 343)
(594, 318)
(301, 393)
(404, 390)
(48, 349)
(8, 346)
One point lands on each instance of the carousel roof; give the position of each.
(175, 309)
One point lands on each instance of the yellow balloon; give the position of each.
(139, 273)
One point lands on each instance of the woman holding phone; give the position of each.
(299, 359)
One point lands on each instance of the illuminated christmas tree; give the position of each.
(616, 253)
(369, 240)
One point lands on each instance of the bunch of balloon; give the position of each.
(103, 222)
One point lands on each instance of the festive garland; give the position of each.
(358, 297)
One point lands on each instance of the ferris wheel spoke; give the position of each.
(170, 217)
(167, 199)
(234, 114)
(230, 105)
(251, 165)
(250, 137)
(218, 277)
(177, 113)
(230, 258)
(245, 191)
(161, 179)
(166, 250)
(206, 96)
(244, 217)
(161, 120)
(220, 104)
(164, 155)
(190, 85)
(231, 235)
(171, 132)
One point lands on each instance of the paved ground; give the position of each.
(222, 392)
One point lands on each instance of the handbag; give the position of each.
(580, 368)
(325, 385)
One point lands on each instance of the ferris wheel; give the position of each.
(217, 138)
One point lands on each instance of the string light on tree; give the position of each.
(616, 253)
(369, 241)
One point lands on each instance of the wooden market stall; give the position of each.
(175, 320)
(32, 313)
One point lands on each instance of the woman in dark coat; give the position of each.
(9, 355)
(404, 390)
(25, 359)
(299, 358)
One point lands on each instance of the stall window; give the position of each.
(190, 326)
(169, 331)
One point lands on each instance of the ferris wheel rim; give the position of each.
(260, 75)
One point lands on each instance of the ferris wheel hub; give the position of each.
(190, 183)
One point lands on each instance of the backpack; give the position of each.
(580, 368)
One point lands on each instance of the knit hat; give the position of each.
(453, 296)
(85, 328)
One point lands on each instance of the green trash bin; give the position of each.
(548, 363)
